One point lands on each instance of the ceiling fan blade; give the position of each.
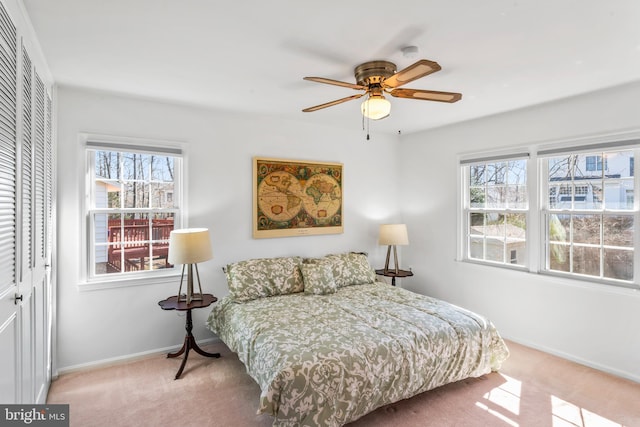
(335, 82)
(427, 95)
(414, 71)
(329, 104)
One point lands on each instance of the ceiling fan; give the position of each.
(378, 77)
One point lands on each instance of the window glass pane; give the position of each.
(495, 225)
(517, 172)
(588, 166)
(619, 183)
(136, 195)
(162, 195)
(586, 260)
(136, 166)
(101, 234)
(618, 230)
(477, 197)
(162, 168)
(586, 229)
(515, 230)
(161, 229)
(101, 237)
(517, 226)
(616, 195)
(593, 195)
(516, 250)
(559, 257)
(496, 196)
(477, 175)
(618, 264)
(559, 228)
(107, 165)
(496, 173)
(516, 197)
(476, 248)
(560, 168)
(476, 223)
(496, 185)
(495, 249)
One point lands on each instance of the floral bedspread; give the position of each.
(326, 360)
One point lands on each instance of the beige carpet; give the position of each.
(533, 389)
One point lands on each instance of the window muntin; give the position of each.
(496, 211)
(134, 204)
(589, 220)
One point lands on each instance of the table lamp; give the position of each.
(189, 246)
(393, 235)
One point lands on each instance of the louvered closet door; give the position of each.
(35, 196)
(10, 362)
(25, 234)
(39, 280)
(26, 189)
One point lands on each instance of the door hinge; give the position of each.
(17, 298)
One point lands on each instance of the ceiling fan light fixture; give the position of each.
(375, 107)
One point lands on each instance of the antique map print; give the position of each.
(295, 197)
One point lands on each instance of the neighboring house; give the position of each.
(495, 237)
(596, 180)
(103, 188)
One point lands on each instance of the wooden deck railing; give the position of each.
(131, 244)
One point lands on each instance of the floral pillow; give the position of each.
(264, 277)
(318, 278)
(351, 268)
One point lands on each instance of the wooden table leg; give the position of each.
(189, 343)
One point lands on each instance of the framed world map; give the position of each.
(296, 198)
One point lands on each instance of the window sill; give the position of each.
(125, 282)
(583, 282)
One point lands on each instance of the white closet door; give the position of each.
(10, 377)
(26, 206)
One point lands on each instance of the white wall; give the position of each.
(591, 323)
(594, 324)
(99, 325)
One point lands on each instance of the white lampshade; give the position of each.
(189, 246)
(393, 234)
(376, 107)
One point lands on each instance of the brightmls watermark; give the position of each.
(34, 415)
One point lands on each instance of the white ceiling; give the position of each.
(252, 55)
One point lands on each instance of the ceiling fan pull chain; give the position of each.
(365, 117)
(367, 127)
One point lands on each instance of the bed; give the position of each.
(327, 343)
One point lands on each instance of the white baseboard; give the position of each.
(572, 358)
(127, 358)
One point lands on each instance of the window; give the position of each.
(495, 211)
(594, 163)
(581, 226)
(134, 202)
(589, 219)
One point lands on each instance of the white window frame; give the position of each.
(95, 142)
(545, 210)
(537, 181)
(466, 209)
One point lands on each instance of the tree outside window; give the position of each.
(134, 208)
(590, 218)
(496, 214)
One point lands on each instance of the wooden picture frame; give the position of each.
(296, 198)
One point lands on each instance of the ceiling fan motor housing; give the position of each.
(377, 77)
(374, 72)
